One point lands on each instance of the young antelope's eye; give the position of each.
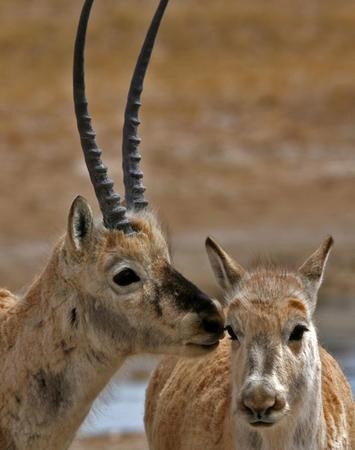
(231, 333)
(297, 333)
(126, 277)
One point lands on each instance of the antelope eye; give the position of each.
(297, 333)
(126, 277)
(231, 333)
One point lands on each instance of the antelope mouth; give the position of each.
(261, 423)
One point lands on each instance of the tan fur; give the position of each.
(337, 401)
(188, 403)
(205, 404)
(64, 339)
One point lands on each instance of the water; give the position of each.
(347, 363)
(120, 412)
(121, 408)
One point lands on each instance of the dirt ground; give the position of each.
(248, 128)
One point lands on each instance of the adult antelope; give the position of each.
(271, 386)
(108, 292)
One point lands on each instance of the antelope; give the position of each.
(271, 386)
(108, 291)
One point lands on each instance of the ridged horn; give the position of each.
(114, 214)
(132, 175)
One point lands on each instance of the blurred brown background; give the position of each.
(248, 128)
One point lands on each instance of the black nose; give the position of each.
(214, 326)
(212, 318)
(190, 298)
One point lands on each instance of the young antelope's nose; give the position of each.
(260, 401)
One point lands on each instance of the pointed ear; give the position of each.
(80, 223)
(313, 269)
(226, 270)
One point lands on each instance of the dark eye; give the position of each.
(126, 277)
(231, 333)
(297, 333)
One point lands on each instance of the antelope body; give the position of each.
(270, 386)
(108, 292)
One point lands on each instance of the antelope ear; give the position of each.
(313, 268)
(227, 272)
(80, 223)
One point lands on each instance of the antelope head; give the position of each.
(275, 358)
(132, 295)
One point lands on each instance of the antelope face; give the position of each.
(133, 294)
(272, 344)
(274, 347)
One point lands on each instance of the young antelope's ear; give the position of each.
(313, 268)
(226, 270)
(80, 223)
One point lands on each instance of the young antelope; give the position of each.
(271, 386)
(109, 291)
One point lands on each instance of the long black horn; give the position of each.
(114, 214)
(134, 188)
